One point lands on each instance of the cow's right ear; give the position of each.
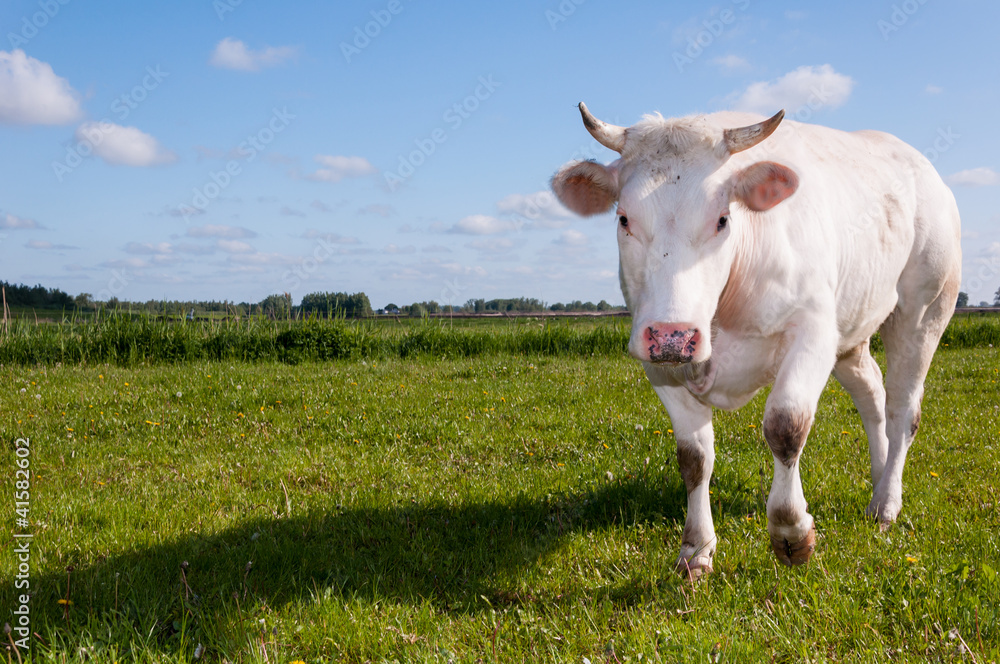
(586, 187)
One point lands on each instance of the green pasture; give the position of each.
(465, 503)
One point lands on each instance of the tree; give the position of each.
(277, 306)
(963, 300)
(996, 298)
(354, 305)
(83, 301)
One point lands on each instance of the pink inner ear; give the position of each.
(588, 196)
(586, 188)
(765, 184)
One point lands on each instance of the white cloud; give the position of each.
(436, 249)
(125, 146)
(43, 244)
(135, 263)
(337, 168)
(234, 246)
(10, 222)
(220, 231)
(260, 259)
(395, 249)
(149, 248)
(162, 250)
(572, 238)
(333, 238)
(291, 212)
(191, 248)
(379, 209)
(182, 211)
(31, 93)
(731, 63)
(233, 54)
(481, 224)
(434, 271)
(498, 245)
(933, 89)
(542, 209)
(815, 87)
(975, 177)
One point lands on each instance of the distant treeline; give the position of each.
(500, 305)
(280, 306)
(39, 297)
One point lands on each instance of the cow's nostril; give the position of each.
(671, 342)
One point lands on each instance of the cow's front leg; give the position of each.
(692, 424)
(788, 417)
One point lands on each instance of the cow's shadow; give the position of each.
(452, 556)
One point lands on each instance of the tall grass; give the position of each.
(127, 340)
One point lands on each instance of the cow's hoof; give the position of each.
(883, 517)
(692, 570)
(794, 553)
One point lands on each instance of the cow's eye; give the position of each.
(723, 221)
(623, 220)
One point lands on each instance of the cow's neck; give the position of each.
(735, 309)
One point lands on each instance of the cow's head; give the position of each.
(683, 207)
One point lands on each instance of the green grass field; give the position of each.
(475, 505)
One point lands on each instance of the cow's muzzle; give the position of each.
(670, 343)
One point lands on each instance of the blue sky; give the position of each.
(230, 150)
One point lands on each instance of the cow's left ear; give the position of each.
(763, 185)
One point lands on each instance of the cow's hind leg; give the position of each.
(858, 372)
(911, 335)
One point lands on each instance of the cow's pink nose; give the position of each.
(671, 342)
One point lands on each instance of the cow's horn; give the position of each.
(610, 136)
(742, 138)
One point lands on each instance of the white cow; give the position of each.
(759, 251)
